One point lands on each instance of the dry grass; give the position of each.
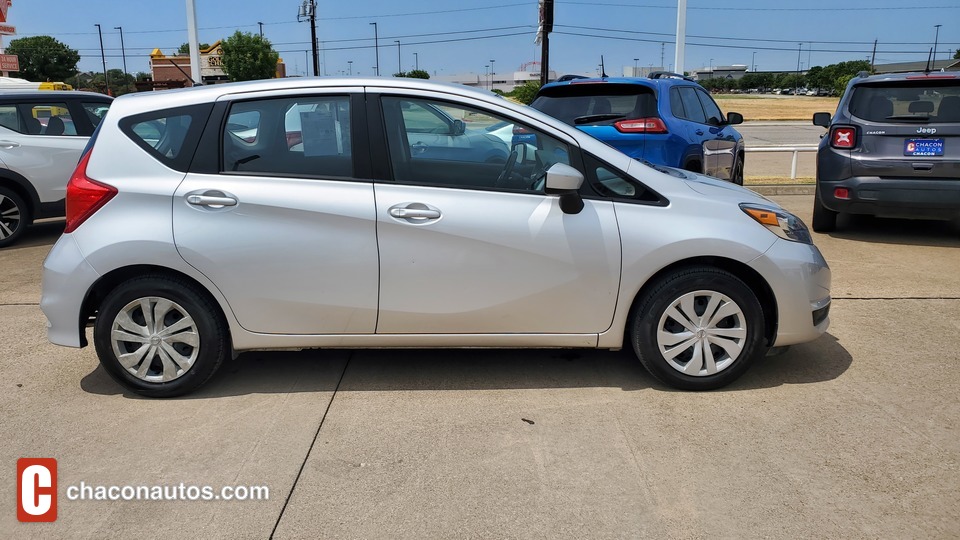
(776, 107)
(776, 180)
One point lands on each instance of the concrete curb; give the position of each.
(788, 189)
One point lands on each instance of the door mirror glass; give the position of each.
(562, 178)
(821, 119)
(459, 128)
(734, 118)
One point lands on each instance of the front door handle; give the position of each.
(211, 200)
(699, 132)
(9, 144)
(414, 213)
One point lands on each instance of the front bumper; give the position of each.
(800, 279)
(67, 276)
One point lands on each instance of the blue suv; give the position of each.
(666, 119)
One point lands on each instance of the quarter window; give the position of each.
(169, 135)
(303, 136)
(437, 143)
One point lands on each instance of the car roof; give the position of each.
(641, 81)
(46, 94)
(918, 76)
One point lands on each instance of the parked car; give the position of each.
(666, 119)
(187, 246)
(892, 149)
(42, 134)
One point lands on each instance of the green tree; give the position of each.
(43, 58)
(956, 55)
(418, 74)
(120, 83)
(248, 57)
(185, 48)
(526, 93)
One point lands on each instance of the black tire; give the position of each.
(651, 312)
(737, 174)
(208, 324)
(824, 219)
(14, 216)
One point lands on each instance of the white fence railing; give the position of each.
(795, 149)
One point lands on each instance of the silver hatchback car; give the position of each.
(321, 213)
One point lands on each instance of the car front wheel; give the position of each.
(698, 329)
(160, 336)
(14, 217)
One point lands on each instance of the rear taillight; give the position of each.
(641, 125)
(844, 137)
(84, 195)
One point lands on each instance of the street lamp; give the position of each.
(935, 39)
(416, 61)
(635, 61)
(399, 66)
(106, 80)
(486, 75)
(799, 51)
(350, 67)
(376, 47)
(754, 62)
(123, 51)
(261, 29)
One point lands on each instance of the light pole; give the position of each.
(935, 39)
(799, 51)
(754, 62)
(399, 66)
(416, 61)
(376, 47)
(486, 75)
(493, 71)
(106, 80)
(635, 61)
(350, 67)
(123, 51)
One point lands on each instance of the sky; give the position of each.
(478, 36)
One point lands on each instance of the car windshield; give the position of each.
(597, 104)
(926, 100)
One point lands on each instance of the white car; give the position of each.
(187, 243)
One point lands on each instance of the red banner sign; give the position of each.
(9, 62)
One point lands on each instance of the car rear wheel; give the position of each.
(824, 219)
(698, 329)
(14, 216)
(159, 336)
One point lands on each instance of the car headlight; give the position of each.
(779, 222)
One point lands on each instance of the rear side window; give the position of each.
(170, 135)
(575, 104)
(297, 136)
(935, 101)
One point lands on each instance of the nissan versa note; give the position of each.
(206, 222)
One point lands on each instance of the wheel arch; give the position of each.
(111, 280)
(23, 188)
(751, 277)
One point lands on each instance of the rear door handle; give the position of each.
(211, 200)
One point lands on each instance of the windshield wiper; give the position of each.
(597, 117)
(914, 117)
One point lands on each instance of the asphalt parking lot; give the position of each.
(854, 435)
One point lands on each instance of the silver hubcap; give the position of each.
(155, 339)
(702, 333)
(9, 217)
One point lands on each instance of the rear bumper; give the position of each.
(894, 197)
(66, 278)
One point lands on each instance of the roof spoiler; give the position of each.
(668, 75)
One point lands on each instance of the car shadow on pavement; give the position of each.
(478, 369)
(918, 232)
(44, 233)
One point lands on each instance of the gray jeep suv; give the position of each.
(892, 149)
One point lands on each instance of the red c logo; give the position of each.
(36, 489)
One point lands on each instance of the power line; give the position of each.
(705, 8)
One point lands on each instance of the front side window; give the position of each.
(714, 116)
(438, 143)
(300, 136)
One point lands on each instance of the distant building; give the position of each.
(176, 69)
(736, 71)
(505, 82)
(640, 71)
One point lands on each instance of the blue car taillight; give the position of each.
(641, 125)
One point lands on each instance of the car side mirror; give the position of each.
(565, 181)
(734, 118)
(821, 119)
(459, 128)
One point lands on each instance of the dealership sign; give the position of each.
(9, 62)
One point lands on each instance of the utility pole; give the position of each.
(308, 12)
(681, 34)
(874, 55)
(399, 64)
(261, 29)
(194, 39)
(662, 47)
(416, 61)
(376, 47)
(543, 37)
(123, 51)
(933, 64)
(106, 79)
(799, 51)
(493, 71)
